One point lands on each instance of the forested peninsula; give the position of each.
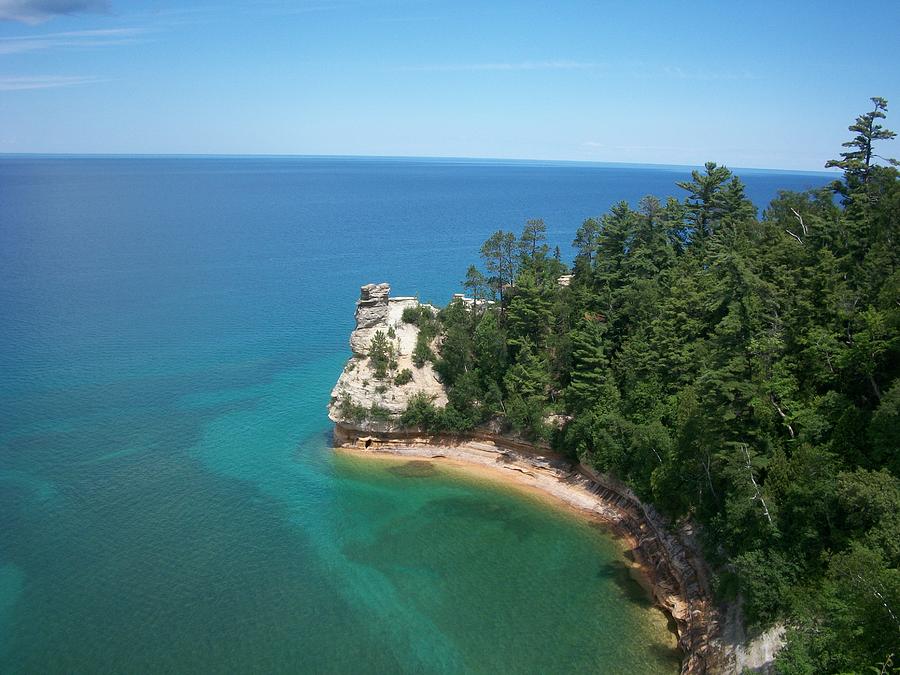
(737, 371)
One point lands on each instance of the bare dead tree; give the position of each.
(802, 227)
(783, 415)
(758, 494)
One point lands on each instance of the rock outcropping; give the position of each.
(362, 401)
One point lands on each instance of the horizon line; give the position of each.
(451, 158)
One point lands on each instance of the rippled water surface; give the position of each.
(171, 330)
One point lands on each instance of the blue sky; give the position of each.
(748, 84)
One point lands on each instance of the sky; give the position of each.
(747, 84)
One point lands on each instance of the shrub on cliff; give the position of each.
(422, 413)
(422, 352)
(379, 413)
(380, 354)
(427, 323)
(418, 315)
(411, 315)
(350, 410)
(403, 377)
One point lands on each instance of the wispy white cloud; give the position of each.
(101, 37)
(502, 66)
(38, 11)
(20, 83)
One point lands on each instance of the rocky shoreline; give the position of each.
(675, 572)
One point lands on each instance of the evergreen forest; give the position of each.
(734, 367)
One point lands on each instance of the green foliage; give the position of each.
(489, 350)
(465, 406)
(528, 377)
(525, 415)
(379, 413)
(380, 354)
(739, 370)
(499, 256)
(359, 413)
(422, 352)
(589, 364)
(350, 410)
(405, 376)
(427, 323)
(530, 312)
(857, 161)
(476, 283)
(411, 315)
(419, 315)
(421, 413)
(706, 202)
(884, 431)
(767, 578)
(456, 348)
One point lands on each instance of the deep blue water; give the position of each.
(170, 329)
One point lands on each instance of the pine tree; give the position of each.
(858, 161)
(589, 365)
(704, 203)
(586, 241)
(490, 350)
(476, 284)
(533, 242)
(498, 253)
(529, 314)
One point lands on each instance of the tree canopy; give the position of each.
(737, 368)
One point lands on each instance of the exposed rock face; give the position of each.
(371, 314)
(677, 573)
(746, 654)
(358, 389)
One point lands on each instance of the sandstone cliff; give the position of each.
(361, 400)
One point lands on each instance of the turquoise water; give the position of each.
(171, 330)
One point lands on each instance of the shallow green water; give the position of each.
(253, 552)
(495, 572)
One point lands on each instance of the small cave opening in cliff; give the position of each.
(368, 443)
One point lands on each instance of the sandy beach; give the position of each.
(563, 489)
(659, 560)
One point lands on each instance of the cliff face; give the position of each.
(361, 400)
